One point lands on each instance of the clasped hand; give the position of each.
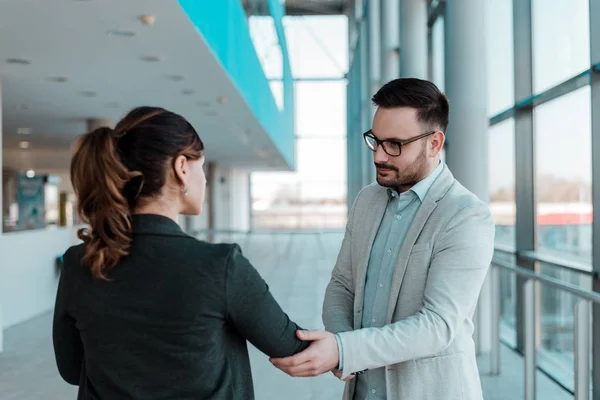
(320, 357)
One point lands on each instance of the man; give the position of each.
(415, 254)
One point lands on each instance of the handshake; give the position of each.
(320, 357)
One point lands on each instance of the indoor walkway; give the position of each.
(297, 276)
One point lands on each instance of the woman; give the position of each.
(144, 311)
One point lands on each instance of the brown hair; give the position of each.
(433, 108)
(113, 170)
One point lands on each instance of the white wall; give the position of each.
(28, 276)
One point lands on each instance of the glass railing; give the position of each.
(559, 303)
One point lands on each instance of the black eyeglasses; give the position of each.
(392, 147)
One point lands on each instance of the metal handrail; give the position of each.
(575, 266)
(249, 233)
(556, 283)
(582, 313)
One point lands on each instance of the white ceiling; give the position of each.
(69, 38)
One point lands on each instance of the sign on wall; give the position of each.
(31, 201)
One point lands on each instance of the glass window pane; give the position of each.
(561, 41)
(266, 44)
(318, 46)
(500, 56)
(320, 109)
(321, 160)
(563, 176)
(502, 180)
(437, 56)
(278, 93)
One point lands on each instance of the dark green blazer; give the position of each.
(170, 323)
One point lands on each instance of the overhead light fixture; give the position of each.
(24, 131)
(188, 92)
(222, 100)
(120, 33)
(148, 19)
(24, 145)
(58, 79)
(262, 153)
(151, 58)
(30, 173)
(15, 60)
(87, 93)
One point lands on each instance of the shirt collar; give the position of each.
(423, 186)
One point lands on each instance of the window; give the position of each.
(314, 196)
(502, 180)
(438, 53)
(561, 41)
(500, 56)
(563, 176)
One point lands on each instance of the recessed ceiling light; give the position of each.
(58, 79)
(188, 92)
(22, 61)
(203, 103)
(30, 173)
(150, 58)
(262, 153)
(24, 145)
(222, 99)
(112, 105)
(120, 33)
(147, 19)
(24, 131)
(176, 78)
(87, 93)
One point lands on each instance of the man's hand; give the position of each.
(320, 357)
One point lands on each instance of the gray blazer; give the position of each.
(426, 346)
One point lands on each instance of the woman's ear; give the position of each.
(181, 170)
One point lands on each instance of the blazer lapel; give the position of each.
(437, 191)
(411, 237)
(376, 209)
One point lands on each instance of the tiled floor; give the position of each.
(297, 275)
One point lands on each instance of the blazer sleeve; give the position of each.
(338, 305)
(255, 313)
(68, 347)
(461, 259)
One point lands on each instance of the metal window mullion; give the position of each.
(595, 111)
(524, 151)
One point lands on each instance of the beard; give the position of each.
(406, 178)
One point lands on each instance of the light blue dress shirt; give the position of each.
(399, 215)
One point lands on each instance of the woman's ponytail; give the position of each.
(99, 178)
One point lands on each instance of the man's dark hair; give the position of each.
(432, 105)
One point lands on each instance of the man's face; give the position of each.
(416, 159)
